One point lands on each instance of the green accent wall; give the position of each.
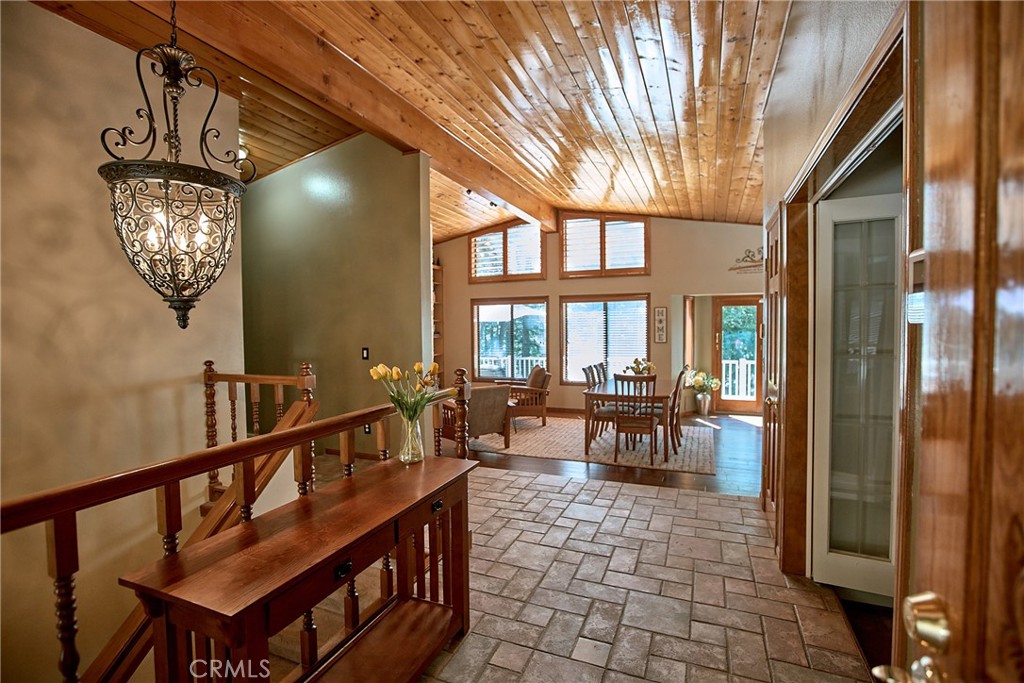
(336, 258)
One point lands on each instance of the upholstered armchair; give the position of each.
(489, 413)
(531, 399)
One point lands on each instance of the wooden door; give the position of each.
(736, 353)
(772, 354)
(967, 543)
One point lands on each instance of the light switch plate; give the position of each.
(366, 353)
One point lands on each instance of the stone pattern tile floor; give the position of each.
(576, 580)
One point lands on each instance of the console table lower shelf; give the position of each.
(215, 604)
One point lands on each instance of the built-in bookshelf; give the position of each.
(437, 300)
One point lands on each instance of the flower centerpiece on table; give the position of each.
(641, 366)
(409, 393)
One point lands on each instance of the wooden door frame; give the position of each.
(877, 88)
(717, 302)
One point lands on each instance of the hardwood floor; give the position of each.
(737, 461)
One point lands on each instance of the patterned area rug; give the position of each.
(562, 439)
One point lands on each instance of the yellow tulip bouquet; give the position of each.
(408, 391)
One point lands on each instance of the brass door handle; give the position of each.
(925, 620)
(770, 401)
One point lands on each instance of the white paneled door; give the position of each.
(857, 314)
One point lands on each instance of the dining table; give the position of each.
(605, 392)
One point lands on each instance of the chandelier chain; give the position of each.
(174, 23)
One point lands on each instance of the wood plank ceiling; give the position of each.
(651, 108)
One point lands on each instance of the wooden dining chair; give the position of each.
(602, 372)
(634, 410)
(673, 427)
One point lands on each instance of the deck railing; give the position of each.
(58, 508)
(507, 368)
(739, 380)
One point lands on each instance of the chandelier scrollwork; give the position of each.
(176, 222)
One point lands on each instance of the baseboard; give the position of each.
(568, 412)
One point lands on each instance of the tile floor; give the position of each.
(587, 580)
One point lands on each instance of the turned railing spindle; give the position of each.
(303, 467)
(210, 393)
(278, 402)
(168, 515)
(233, 404)
(62, 561)
(245, 496)
(461, 411)
(254, 399)
(347, 452)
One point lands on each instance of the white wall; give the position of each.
(95, 376)
(687, 258)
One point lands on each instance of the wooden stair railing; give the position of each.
(57, 509)
(305, 382)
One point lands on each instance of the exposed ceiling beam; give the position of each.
(276, 44)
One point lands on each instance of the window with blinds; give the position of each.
(509, 337)
(608, 330)
(507, 253)
(604, 246)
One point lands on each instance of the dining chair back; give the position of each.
(602, 372)
(635, 412)
(675, 429)
(588, 372)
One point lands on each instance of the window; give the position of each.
(507, 253)
(611, 330)
(510, 336)
(604, 246)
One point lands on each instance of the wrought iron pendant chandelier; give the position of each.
(176, 222)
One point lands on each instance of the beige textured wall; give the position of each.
(687, 257)
(825, 46)
(337, 258)
(96, 376)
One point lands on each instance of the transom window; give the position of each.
(610, 330)
(507, 253)
(509, 337)
(604, 246)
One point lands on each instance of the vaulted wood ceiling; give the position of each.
(650, 108)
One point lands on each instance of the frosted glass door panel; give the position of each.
(863, 299)
(856, 316)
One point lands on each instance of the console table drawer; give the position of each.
(414, 520)
(288, 606)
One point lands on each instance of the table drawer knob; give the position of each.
(436, 505)
(343, 570)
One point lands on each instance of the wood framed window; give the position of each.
(513, 251)
(605, 245)
(510, 337)
(603, 329)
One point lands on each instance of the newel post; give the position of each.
(461, 412)
(62, 562)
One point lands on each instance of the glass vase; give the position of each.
(412, 441)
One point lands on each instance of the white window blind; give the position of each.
(624, 244)
(524, 250)
(514, 251)
(612, 332)
(488, 254)
(594, 246)
(582, 244)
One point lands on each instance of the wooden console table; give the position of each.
(221, 599)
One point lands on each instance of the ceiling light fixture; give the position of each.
(176, 222)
